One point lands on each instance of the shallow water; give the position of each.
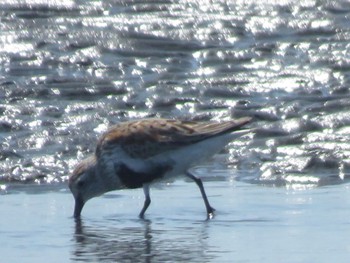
(252, 224)
(69, 69)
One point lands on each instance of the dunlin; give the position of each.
(138, 153)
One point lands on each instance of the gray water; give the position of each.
(70, 69)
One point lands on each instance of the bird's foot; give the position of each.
(210, 213)
(142, 216)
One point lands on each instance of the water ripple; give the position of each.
(70, 68)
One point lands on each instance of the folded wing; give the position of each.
(146, 138)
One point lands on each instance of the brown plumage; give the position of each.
(136, 153)
(146, 138)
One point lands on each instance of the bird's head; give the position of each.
(83, 184)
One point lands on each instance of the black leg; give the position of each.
(147, 201)
(198, 181)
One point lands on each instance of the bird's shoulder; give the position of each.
(144, 137)
(150, 129)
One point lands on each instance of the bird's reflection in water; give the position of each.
(138, 242)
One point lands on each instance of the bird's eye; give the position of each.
(80, 184)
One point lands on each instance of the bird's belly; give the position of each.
(184, 158)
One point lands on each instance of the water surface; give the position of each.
(69, 69)
(252, 224)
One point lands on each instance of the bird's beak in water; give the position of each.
(79, 204)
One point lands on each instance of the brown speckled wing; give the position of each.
(146, 138)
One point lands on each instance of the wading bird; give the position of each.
(138, 153)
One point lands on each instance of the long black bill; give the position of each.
(79, 204)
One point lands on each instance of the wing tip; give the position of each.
(237, 123)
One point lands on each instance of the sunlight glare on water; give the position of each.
(71, 69)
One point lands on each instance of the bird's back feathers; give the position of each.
(146, 138)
